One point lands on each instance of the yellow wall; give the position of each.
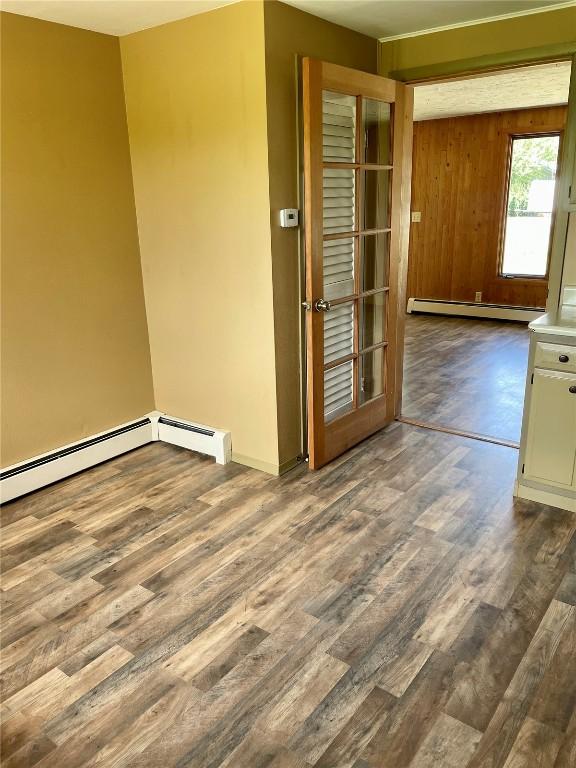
(196, 104)
(75, 357)
(291, 33)
(210, 109)
(488, 39)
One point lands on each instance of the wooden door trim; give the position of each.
(405, 106)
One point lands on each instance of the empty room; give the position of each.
(288, 384)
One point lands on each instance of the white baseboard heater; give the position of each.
(474, 309)
(47, 468)
(196, 437)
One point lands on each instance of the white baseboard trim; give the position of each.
(470, 309)
(35, 473)
(195, 437)
(55, 465)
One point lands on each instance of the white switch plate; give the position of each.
(416, 217)
(289, 217)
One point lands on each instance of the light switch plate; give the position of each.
(416, 217)
(289, 217)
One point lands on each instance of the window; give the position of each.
(529, 205)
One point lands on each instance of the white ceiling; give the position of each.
(537, 86)
(113, 17)
(377, 18)
(393, 18)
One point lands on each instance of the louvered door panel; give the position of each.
(338, 127)
(338, 265)
(338, 390)
(339, 196)
(338, 332)
(339, 215)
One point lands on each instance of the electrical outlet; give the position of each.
(416, 217)
(478, 296)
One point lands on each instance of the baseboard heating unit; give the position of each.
(196, 437)
(474, 309)
(47, 468)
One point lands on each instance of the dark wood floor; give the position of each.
(394, 609)
(466, 374)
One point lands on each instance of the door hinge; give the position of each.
(532, 379)
(523, 465)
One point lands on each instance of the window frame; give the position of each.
(504, 212)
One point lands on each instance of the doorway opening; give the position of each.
(485, 159)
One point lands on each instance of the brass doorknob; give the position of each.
(321, 305)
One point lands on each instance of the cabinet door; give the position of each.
(551, 442)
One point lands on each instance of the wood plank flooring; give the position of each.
(393, 610)
(466, 374)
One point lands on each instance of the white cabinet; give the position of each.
(550, 455)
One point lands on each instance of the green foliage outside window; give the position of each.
(533, 158)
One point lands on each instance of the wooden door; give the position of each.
(357, 163)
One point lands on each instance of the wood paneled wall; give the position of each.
(459, 185)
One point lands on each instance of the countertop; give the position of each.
(562, 322)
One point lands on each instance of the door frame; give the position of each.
(461, 69)
(486, 65)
